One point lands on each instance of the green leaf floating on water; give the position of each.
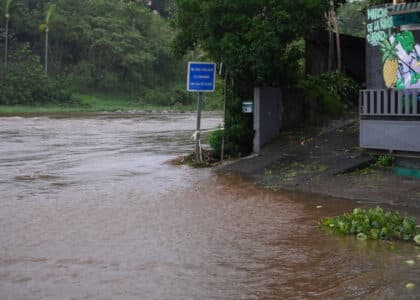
(406, 39)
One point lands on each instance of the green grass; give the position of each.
(92, 103)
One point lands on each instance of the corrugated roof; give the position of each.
(404, 8)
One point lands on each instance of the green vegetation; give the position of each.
(93, 102)
(378, 162)
(118, 47)
(259, 43)
(24, 82)
(352, 19)
(330, 93)
(236, 140)
(374, 223)
(384, 161)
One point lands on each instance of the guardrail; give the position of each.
(389, 103)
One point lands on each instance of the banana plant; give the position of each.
(6, 43)
(50, 11)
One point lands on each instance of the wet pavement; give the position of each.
(328, 161)
(90, 210)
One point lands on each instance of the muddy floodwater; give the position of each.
(90, 210)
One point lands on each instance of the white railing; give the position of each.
(390, 103)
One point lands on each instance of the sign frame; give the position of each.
(189, 79)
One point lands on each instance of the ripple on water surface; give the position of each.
(102, 217)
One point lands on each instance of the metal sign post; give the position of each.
(201, 78)
(198, 155)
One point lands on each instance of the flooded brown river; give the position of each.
(90, 210)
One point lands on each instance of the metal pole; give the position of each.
(197, 140)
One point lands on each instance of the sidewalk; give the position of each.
(327, 161)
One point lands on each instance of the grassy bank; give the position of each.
(93, 103)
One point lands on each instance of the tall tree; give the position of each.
(6, 42)
(255, 39)
(50, 10)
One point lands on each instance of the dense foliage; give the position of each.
(112, 45)
(23, 81)
(236, 140)
(352, 19)
(257, 41)
(374, 223)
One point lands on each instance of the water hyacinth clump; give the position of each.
(373, 224)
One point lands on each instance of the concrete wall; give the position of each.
(267, 115)
(276, 109)
(390, 135)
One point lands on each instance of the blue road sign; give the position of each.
(201, 77)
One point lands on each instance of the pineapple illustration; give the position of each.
(390, 61)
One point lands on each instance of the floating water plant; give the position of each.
(374, 224)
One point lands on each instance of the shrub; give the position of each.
(340, 85)
(23, 81)
(375, 224)
(330, 93)
(319, 99)
(176, 95)
(384, 161)
(238, 140)
(155, 97)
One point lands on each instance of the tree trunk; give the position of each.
(331, 55)
(338, 42)
(6, 43)
(46, 51)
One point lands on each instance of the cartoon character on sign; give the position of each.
(401, 59)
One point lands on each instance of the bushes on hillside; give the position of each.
(329, 94)
(341, 85)
(237, 140)
(23, 81)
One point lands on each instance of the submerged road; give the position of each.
(90, 210)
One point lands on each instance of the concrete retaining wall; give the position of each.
(390, 135)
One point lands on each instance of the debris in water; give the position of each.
(319, 206)
(410, 262)
(361, 236)
(410, 285)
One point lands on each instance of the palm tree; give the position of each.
(6, 43)
(47, 25)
